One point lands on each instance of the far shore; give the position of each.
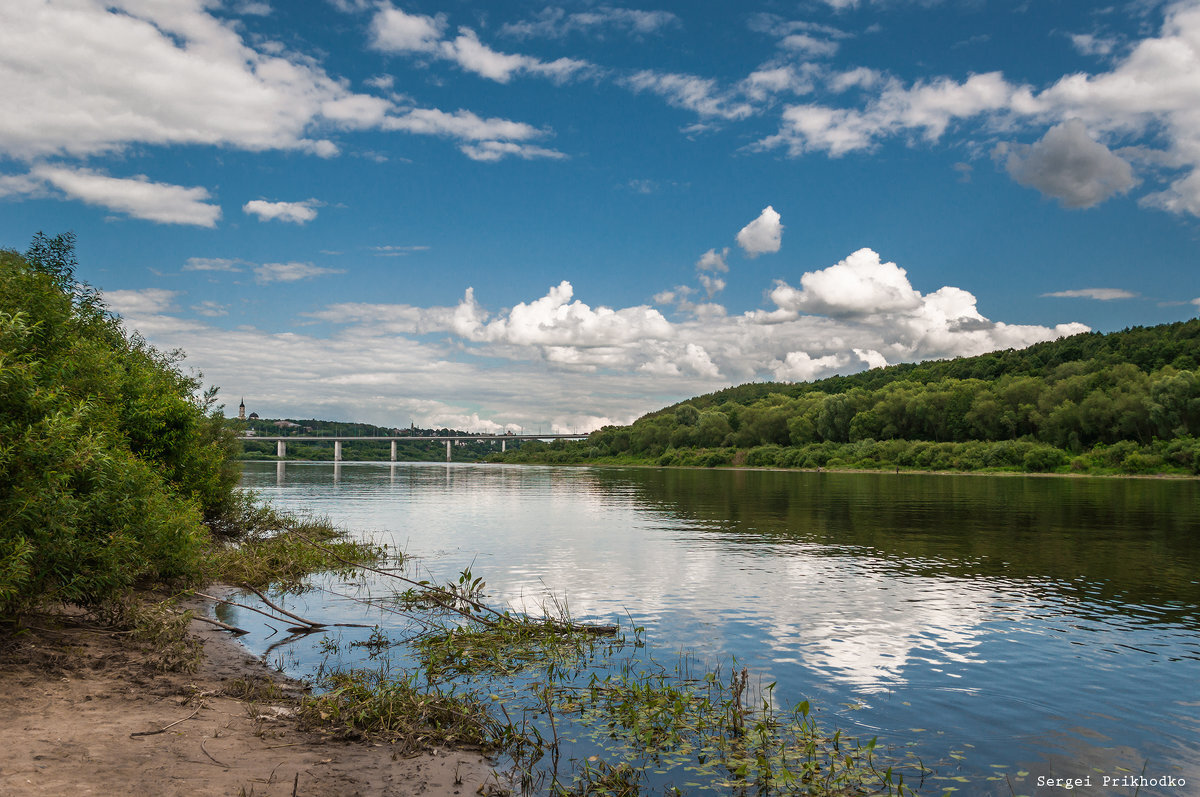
(886, 471)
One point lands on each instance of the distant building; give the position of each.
(242, 410)
(253, 416)
(287, 424)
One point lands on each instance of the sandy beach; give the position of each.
(86, 712)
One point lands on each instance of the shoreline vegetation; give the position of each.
(1122, 403)
(119, 504)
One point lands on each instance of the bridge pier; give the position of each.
(281, 449)
(337, 450)
(447, 450)
(393, 451)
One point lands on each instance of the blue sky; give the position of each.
(517, 215)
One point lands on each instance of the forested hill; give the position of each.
(1124, 402)
(1148, 348)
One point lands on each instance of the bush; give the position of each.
(108, 458)
(1041, 459)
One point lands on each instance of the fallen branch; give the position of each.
(282, 610)
(219, 624)
(240, 606)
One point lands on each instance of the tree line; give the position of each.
(1126, 401)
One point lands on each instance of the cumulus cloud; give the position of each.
(290, 272)
(762, 235)
(95, 77)
(1100, 294)
(394, 31)
(1070, 166)
(860, 284)
(293, 212)
(137, 196)
(712, 260)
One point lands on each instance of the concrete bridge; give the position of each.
(337, 440)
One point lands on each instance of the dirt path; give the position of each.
(70, 698)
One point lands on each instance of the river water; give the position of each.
(1007, 630)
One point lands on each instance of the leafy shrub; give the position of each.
(108, 458)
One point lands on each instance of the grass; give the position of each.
(401, 710)
(261, 547)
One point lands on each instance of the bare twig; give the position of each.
(168, 727)
(210, 755)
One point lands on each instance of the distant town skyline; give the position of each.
(513, 215)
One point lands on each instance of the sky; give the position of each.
(550, 217)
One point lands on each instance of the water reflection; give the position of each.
(1011, 613)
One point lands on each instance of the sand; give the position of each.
(71, 697)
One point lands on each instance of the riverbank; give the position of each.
(87, 711)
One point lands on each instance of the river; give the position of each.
(1007, 630)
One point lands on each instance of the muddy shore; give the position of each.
(86, 712)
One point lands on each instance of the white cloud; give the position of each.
(211, 264)
(556, 23)
(767, 81)
(293, 212)
(1089, 44)
(859, 285)
(211, 309)
(496, 150)
(21, 185)
(712, 285)
(798, 366)
(461, 124)
(253, 8)
(137, 196)
(929, 107)
(712, 260)
(809, 46)
(1100, 294)
(94, 77)
(290, 272)
(762, 235)
(700, 95)
(141, 302)
(554, 320)
(1070, 166)
(394, 31)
